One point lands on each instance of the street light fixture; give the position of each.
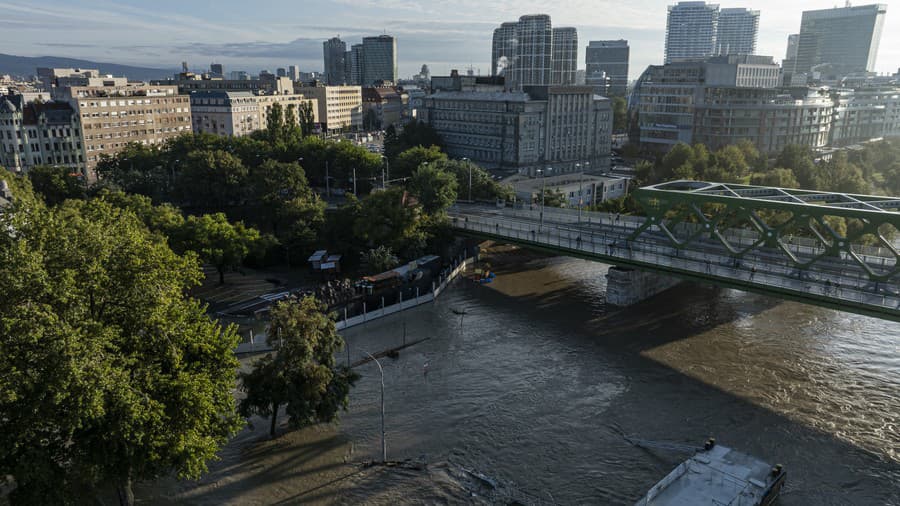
(469, 166)
(383, 442)
(543, 194)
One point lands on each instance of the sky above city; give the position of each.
(276, 33)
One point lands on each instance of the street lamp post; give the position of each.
(543, 194)
(327, 181)
(469, 166)
(580, 190)
(354, 183)
(383, 442)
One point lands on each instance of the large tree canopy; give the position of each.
(302, 374)
(110, 372)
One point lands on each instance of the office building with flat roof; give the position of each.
(841, 40)
(335, 51)
(606, 66)
(379, 65)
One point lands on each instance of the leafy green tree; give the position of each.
(754, 159)
(164, 218)
(800, 160)
(483, 185)
(680, 155)
(302, 374)
(731, 164)
(219, 243)
(435, 188)
(620, 114)
(56, 184)
(892, 179)
(415, 133)
(212, 180)
(839, 175)
(411, 159)
(779, 178)
(551, 198)
(282, 196)
(379, 259)
(137, 169)
(390, 218)
(111, 373)
(275, 123)
(306, 119)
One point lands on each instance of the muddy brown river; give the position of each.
(536, 384)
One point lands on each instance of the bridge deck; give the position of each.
(604, 237)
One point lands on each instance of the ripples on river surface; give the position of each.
(535, 384)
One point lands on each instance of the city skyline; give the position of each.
(444, 36)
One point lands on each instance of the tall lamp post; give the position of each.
(543, 193)
(580, 189)
(383, 442)
(469, 166)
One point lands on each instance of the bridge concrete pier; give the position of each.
(626, 286)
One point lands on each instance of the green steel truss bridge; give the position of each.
(828, 249)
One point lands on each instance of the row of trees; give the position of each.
(874, 169)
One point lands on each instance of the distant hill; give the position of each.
(27, 66)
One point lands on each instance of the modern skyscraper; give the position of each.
(380, 60)
(503, 49)
(606, 61)
(216, 70)
(792, 44)
(846, 38)
(334, 50)
(294, 72)
(737, 31)
(691, 30)
(281, 72)
(534, 51)
(565, 56)
(357, 61)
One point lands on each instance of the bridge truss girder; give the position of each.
(687, 211)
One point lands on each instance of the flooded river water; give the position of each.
(537, 382)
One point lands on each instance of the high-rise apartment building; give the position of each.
(793, 43)
(379, 60)
(737, 31)
(565, 56)
(691, 30)
(845, 39)
(334, 50)
(530, 52)
(534, 52)
(606, 66)
(503, 49)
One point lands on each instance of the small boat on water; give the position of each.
(718, 475)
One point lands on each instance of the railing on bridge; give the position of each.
(780, 260)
